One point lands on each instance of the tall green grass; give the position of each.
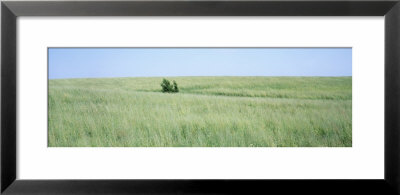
(207, 112)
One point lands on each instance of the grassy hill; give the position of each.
(207, 112)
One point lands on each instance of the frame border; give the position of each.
(10, 10)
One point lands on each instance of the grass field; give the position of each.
(207, 112)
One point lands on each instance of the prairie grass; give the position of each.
(207, 112)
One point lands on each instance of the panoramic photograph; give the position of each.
(199, 97)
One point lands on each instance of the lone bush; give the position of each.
(176, 89)
(168, 88)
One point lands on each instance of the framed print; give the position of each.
(199, 97)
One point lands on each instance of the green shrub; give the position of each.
(176, 89)
(168, 88)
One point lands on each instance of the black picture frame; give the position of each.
(10, 10)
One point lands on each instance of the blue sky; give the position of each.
(159, 62)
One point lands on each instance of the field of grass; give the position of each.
(207, 112)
